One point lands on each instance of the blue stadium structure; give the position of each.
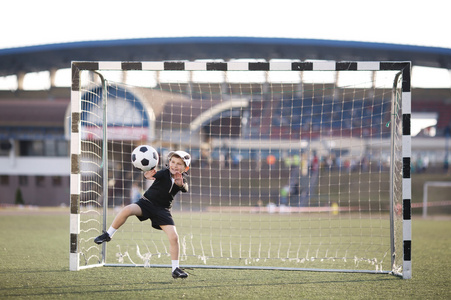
(56, 56)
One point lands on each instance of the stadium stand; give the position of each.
(32, 122)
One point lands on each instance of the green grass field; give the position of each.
(34, 255)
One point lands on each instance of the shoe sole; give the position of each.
(100, 242)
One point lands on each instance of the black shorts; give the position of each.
(157, 215)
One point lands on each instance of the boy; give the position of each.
(156, 203)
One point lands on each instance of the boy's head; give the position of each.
(184, 156)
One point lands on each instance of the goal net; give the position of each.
(296, 165)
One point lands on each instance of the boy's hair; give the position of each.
(183, 155)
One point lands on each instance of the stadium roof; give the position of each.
(58, 56)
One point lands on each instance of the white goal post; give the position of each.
(296, 165)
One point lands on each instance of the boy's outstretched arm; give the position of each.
(149, 174)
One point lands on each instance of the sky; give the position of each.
(31, 22)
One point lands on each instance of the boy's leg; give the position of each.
(173, 237)
(130, 210)
(119, 220)
(174, 250)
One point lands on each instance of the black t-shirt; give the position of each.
(163, 189)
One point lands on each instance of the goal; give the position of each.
(296, 165)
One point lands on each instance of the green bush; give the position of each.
(19, 198)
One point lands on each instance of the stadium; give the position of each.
(274, 151)
(34, 122)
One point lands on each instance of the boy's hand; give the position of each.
(149, 174)
(178, 179)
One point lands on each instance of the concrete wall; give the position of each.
(43, 181)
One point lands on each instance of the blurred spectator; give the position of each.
(284, 193)
(135, 193)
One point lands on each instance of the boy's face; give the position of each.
(176, 165)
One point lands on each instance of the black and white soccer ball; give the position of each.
(145, 157)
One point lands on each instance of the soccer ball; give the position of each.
(144, 157)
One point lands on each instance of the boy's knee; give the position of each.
(174, 237)
(126, 211)
(129, 210)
